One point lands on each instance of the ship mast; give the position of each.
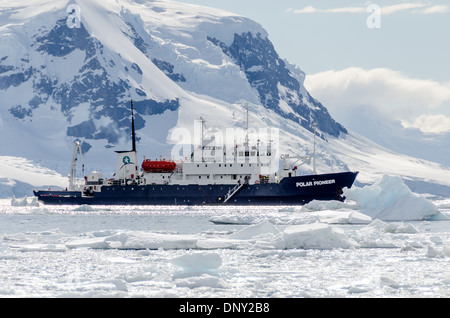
(133, 133)
(127, 167)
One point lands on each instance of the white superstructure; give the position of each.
(255, 160)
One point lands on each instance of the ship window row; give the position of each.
(231, 165)
(220, 165)
(234, 177)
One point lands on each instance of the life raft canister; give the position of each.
(158, 166)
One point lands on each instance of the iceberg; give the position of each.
(389, 199)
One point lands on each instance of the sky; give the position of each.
(390, 56)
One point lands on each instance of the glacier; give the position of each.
(61, 82)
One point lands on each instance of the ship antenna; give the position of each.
(314, 151)
(246, 127)
(133, 134)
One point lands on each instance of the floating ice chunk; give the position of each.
(84, 208)
(252, 231)
(401, 228)
(304, 236)
(100, 288)
(201, 281)
(19, 202)
(5, 252)
(408, 248)
(391, 200)
(120, 260)
(210, 243)
(234, 219)
(40, 211)
(341, 217)
(358, 289)
(103, 233)
(433, 252)
(436, 240)
(380, 234)
(18, 237)
(335, 212)
(42, 248)
(446, 251)
(317, 205)
(386, 281)
(197, 264)
(6, 292)
(358, 218)
(263, 235)
(24, 201)
(320, 213)
(316, 236)
(94, 243)
(144, 240)
(135, 240)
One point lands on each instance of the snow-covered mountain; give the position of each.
(68, 70)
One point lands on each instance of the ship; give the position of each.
(243, 174)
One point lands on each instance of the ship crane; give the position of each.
(77, 149)
(287, 165)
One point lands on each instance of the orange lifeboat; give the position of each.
(158, 166)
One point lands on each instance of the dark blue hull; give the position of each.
(290, 191)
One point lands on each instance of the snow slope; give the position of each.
(18, 176)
